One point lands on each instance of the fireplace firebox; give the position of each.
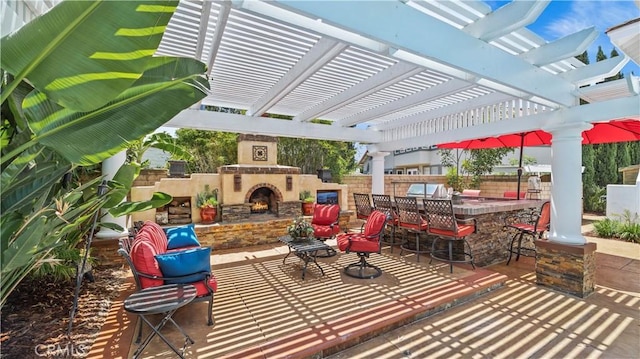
(262, 200)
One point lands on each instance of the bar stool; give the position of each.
(444, 224)
(363, 207)
(533, 225)
(410, 220)
(384, 204)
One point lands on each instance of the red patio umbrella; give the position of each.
(601, 132)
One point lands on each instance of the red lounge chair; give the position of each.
(325, 223)
(363, 244)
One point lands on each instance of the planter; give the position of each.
(208, 214)
(307, 208)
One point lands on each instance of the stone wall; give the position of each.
(219, 236)
(566, 268)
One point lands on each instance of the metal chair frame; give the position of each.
(533, 225)
(363, 207)
(444, 224)
(411, 220)
(384, 204)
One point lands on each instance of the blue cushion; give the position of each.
(185, 236)
(194, 263)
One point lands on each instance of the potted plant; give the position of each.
(207, 201)
(307, 203)
(300, 229)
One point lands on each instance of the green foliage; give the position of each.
(526, 160)
(207, 198)
(162, 141)
(593, 199)
(627, 227)
(300, 228)
(481, 162)
(209, 149)
(305, 196)
(455, 181)
(606, 169)
(55, 121)
(606, 228)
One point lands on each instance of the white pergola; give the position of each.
(401, 74)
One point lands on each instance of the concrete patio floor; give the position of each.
(264, 310)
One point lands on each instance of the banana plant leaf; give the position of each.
(168, 87)
(85, 53)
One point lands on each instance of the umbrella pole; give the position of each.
(520, 165)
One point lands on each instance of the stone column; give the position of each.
(109, 168)
(566, 262)
(377, 172)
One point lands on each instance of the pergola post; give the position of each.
(566, 262)
(377, 172)
(109, 168)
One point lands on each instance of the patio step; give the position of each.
(333, 336)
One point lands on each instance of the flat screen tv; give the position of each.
(327, 197)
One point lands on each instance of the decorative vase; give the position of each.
(208, 214)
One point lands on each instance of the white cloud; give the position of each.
(586, 13)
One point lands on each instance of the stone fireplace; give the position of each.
(254, 189)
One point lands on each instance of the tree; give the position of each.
(163, 141)
(209, 149)
(54, 122)
(481, 162)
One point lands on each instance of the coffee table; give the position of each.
(305, 249)
(164, 299)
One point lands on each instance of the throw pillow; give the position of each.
(184, 236)
(193, 263)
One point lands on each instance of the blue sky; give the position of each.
(564, 17)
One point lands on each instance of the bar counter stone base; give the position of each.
(566, 268)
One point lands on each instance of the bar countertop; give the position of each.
(479, 206)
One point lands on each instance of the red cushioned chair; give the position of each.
(531, 224)
(147, 240)
(363, 244)
(443, 223)
(325, 223)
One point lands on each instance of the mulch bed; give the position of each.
(35, 318)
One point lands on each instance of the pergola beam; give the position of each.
(620, 108)
(394, 73)
(509, 18)
(395, 24)
(563, 48)
(595, 72)
(227, 122)
(438, 91)
(318, 56)
(221, 23)
(479, 102)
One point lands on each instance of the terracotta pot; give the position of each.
(208, 214)
(307, 208)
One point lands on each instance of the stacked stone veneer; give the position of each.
(566, 268)
(218, 236)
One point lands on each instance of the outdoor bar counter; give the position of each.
(489, 243)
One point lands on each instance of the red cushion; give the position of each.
(202, 289)
(325, 231)
(375, 223)
(357, 242)
(142, 254)
(421, 227)
(343, 240)
(463, 231)
(325, 214)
